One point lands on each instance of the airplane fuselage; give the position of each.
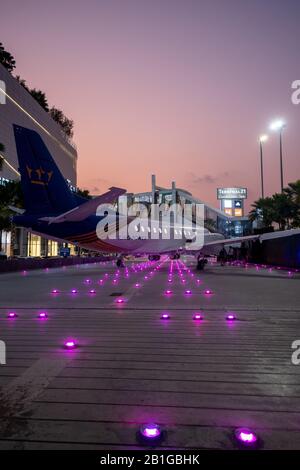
(84, 234)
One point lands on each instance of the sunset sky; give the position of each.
(179, 88)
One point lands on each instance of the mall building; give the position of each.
(17, 106)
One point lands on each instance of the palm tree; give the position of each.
(284, 210)
(6, 59)
(2, 150)
(293, 190)
(263, 211)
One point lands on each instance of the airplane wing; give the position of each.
(88, 208)
(210, 247)
(232, 241)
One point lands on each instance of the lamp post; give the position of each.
(263, 138)
(279, 125)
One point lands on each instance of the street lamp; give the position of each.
(278, 126)
(263, 138)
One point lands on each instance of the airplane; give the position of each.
(55, 212)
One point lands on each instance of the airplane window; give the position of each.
(176, 232)
(165, 230)
(149, 229)
(154, 229)
(159, 230)
(143, 230)
(136, 228)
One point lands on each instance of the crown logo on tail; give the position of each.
(39, 175)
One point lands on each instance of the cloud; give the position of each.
(206, 179)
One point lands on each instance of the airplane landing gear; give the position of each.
(120, 262)
(176, 256)
(201, 262)
(154, 257)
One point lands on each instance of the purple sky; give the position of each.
(181, 88)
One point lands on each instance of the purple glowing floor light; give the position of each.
(42, 315)
(150, 432)
(208, 292)
(165, 316)
(70, 344)
(12, 315)
(246, 437)
(55, 291)
(188, 292)
(230, 317)
(119, 301)
(197, 316)
(168, 292)
(92, 291)
(74, 291)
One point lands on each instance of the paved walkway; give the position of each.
(199, 379)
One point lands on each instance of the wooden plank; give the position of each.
(176, 386)
(173, 399)
(180, 415)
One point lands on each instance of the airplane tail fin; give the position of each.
(44, 187)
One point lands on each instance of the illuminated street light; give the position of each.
(278, 126)
(262, 139)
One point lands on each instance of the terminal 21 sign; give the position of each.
(232, 193)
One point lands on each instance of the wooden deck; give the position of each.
(199, 380)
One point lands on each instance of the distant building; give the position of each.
(17, 106)
(215, 219)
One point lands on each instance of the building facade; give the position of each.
(215, 220)
(17, 106)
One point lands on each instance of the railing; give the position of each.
(42, 263)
